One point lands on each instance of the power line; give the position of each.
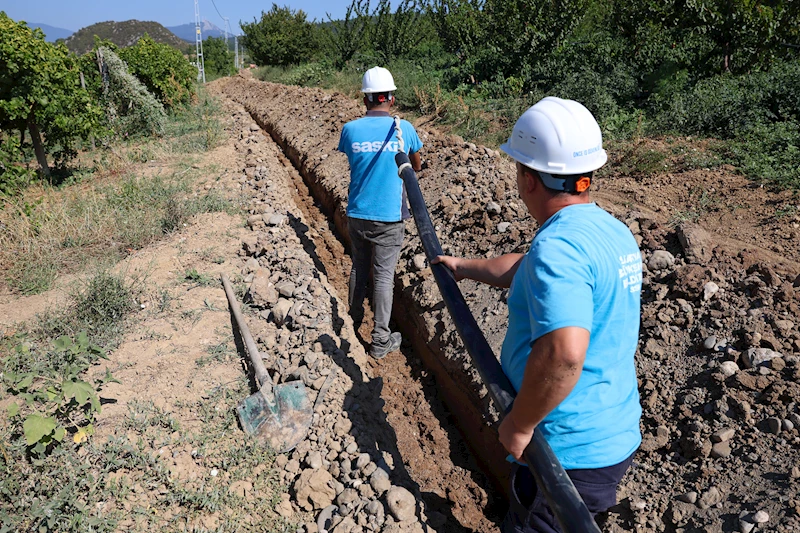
(228, 30)
(217, 10)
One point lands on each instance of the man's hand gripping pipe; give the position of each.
(552, 479)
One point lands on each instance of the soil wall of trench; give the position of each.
(718, 364)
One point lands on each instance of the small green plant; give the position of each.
(164, 301)
(100, 307)
(683, 215)
(701, 202)
(217, 353)
(196, 277)
(176, 214)
(638, 160)
(786, 210)
(143, 415)
(50, 406)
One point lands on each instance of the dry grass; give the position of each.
(119, 206)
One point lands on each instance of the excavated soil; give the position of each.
(718, 359)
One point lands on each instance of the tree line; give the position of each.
(722, 68)
(53, 101)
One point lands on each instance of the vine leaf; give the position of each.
(80, 390)
(36, 427)
(82, 434)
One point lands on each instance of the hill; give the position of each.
(186, 31)
(51, 33)
(124, 33)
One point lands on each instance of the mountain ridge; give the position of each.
(125, 33)
(51, 33)
(187, 31)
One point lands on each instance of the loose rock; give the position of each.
(401, 503)
(711, 497)
(709, 290)
(281, 310)
(660, 260)
(314, 489)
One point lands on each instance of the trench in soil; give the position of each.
(447, 449)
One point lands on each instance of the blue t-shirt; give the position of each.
(376, 191)
(583, 269)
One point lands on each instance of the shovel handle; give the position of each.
(252, 350)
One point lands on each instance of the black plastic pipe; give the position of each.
(567, 505)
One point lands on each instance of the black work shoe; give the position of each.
(379, 351)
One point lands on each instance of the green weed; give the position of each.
(193, 276)
(700, 202)
(101, 307)
(164, 301)
(217, 353)
(143, 415)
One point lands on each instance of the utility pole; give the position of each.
(198, 44)
(227, 46)
(236, 56)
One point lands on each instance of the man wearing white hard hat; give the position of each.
(573, 316)
(376, 204)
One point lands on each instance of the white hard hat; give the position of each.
(377, 80)
(557, 137)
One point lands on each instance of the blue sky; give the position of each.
(76, 14)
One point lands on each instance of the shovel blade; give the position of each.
(279, 417)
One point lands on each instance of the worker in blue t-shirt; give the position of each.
(573, 316)
(376, 204)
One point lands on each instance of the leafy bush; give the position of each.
(217, 58)
(769, 153)
(41, 93)
(283, 36)
(54, 400)
(14, 175)
(727, 105)
(131, 109)
(162, 69)
(307, 74)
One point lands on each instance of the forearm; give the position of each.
(497, 271)
(416, 161)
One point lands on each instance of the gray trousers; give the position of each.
(377, 245)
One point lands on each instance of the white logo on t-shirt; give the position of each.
(630, 271)
(374, 146)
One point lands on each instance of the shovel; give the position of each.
(277, 415)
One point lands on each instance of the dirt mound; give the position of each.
(718, 363)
